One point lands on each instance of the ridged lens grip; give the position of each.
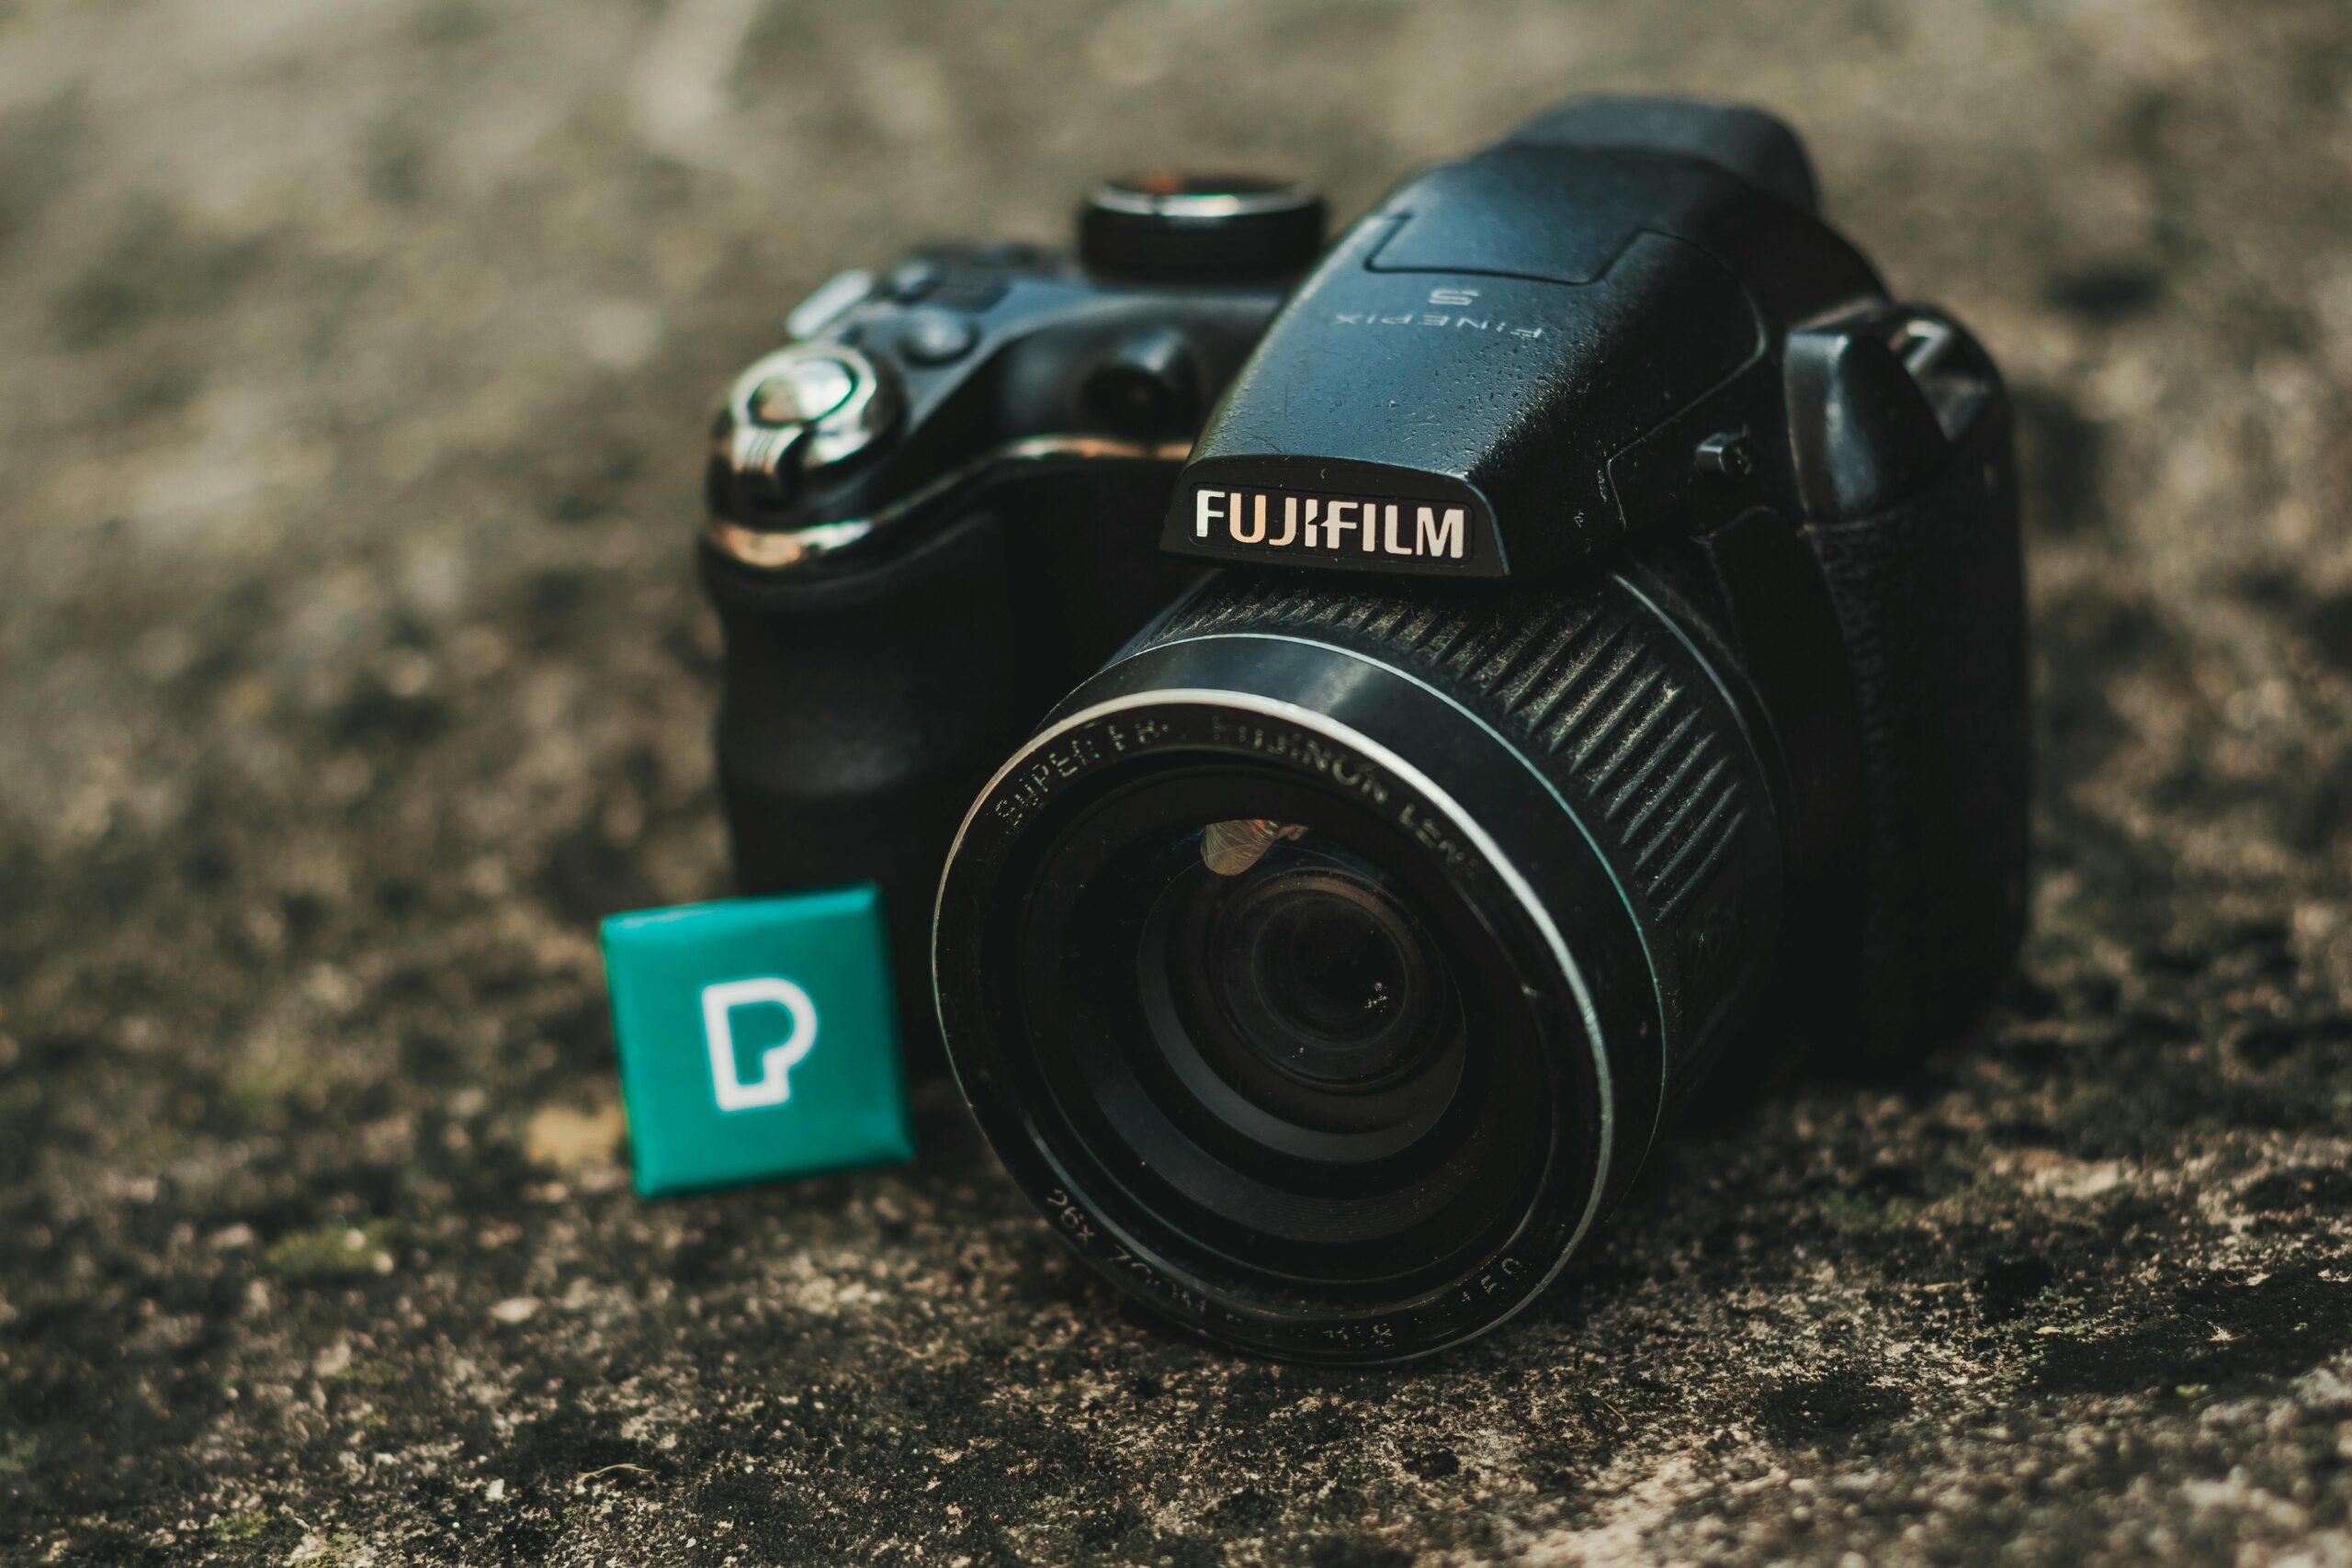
(1600, 692)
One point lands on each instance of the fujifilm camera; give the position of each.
(1350, 736)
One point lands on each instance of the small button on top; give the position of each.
(827, 305)
(968, 290)
(1729, 453)
(1148, 386)
(911, 280)
(934, 337)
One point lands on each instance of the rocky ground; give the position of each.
(353, 362)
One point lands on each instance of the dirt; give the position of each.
(353, 367)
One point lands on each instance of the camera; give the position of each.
(1353, 736)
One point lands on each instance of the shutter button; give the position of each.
(798, 410)
(803, 391)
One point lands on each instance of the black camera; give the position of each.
(1428, 699)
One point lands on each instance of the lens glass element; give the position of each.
(1267, 1016)
(1301, 977)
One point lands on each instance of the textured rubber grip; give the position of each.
(857, 715)
(1930, 598)
(1583, 683)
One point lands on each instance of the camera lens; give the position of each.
(1320, 970)
(1266, 1043)
(1323, 966)
(1301, 988)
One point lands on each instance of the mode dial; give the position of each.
(1179, 228)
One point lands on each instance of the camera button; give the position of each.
(934, 337)
(829, 300)
(794, 411)
(911, 280)
(1728, 452)
(1149, 387)
(803, 391)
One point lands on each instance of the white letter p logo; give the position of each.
(773, 1088)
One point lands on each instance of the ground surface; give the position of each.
(353, 360)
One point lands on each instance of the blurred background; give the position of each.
(354, 364)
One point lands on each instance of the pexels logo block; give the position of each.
(758, 1039)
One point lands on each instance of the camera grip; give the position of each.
(859, 713)
(1930, 594)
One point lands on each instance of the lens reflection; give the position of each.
(1320, 970)
(1291, 985)
(1232, 847)
(1252, 1010)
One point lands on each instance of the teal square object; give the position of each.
(758, 1039)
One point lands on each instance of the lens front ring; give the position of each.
(1194, 699)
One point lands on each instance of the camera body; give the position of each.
(908, 579)
(1569, 628)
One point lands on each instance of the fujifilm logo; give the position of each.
(1278, 520)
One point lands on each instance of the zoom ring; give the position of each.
(1591, 683)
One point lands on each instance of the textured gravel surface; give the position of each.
(353, 362)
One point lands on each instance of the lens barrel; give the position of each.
(1326, 964)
